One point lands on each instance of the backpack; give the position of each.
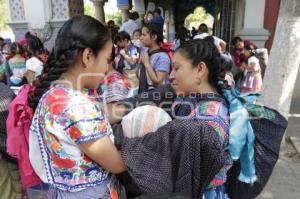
(143, 83)
(166, 47)
(18, 124)
(268, 126)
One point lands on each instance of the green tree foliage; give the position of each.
(90, 10)
(199, 15)
(117, 17)
(3, 15)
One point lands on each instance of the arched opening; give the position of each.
(199, 16)
(183, 8)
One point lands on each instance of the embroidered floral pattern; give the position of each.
(64, 119)
(215, 114)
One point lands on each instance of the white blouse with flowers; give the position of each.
(63, 119)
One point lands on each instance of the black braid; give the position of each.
(68, 44)
(52, 71)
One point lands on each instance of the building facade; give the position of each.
(254, 20)
(231, 17)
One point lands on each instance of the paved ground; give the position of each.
(285, 180)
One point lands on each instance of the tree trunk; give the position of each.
(284, 60)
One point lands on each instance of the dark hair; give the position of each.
(204, 27)
(135, 15)
(251, 48)
(131, 15)
(182, 34)
(198, 50)
(77, 34)
(33, 44)
(120, 36)
(155, 29)
(137, 30)
(209, 39)
(16, 48)
(113, 56)
(1, 39)
(110, 22)
(236, 39)
(157, 10)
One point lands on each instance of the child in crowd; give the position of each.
(70, 146)
(252, 81)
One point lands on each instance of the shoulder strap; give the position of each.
(155, 51)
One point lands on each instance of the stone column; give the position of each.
(125, 12)
(17, 19)
(167, 25)
(253, 28)
(171, 27)
(139, 6)
(99, 9)
(124, 6)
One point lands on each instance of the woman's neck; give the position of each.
(206, 88)
(153, 47)
(18, 56)
(71, 80)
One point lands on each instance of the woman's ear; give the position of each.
(201, 70)
(86, 57)
(154, 37)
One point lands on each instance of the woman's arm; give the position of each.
(130, 59)
(104, 152)
(30, 76)
(157, 77)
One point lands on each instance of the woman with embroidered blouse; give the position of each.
(71, 146)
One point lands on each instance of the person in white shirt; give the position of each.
(219, 43)
(34, 66)
(137, 19)
(129, 26)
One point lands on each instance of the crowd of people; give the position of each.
(78, 126)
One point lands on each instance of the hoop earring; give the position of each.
(199, 81)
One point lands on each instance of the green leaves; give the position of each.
(4, 16)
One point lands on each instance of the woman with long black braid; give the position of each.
(70, 145)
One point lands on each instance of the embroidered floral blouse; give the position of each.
(63, 119)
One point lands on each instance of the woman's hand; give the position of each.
(123, 53)
(244, 66)
(145, 59)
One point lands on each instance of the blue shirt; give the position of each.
(161, 62)
(158, 20)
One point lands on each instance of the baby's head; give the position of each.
(143, 120)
